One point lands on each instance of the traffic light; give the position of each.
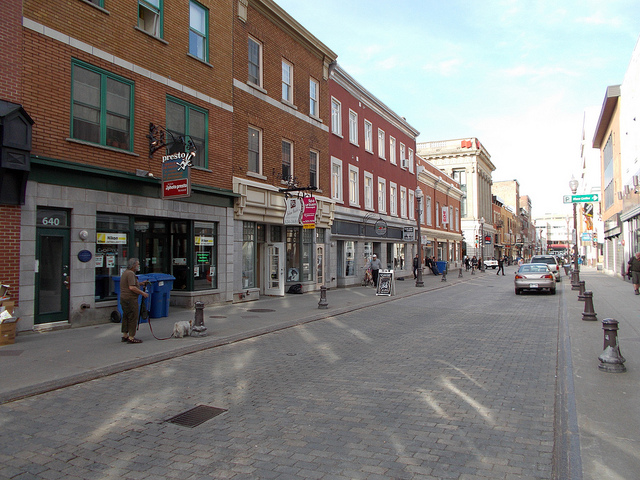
(477, 237)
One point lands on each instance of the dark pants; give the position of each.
(129, 315)
(374, 274)
(500, 267)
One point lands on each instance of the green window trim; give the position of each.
(202, 143)
(101, 111)
(198, 34)
(155, 7)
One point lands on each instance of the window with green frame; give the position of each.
(186, 119)
(150, 17)
(101, 106)
(198, 31)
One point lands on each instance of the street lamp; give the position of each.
(482, 244)
(419, 282)
(573, 185)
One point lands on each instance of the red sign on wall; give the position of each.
(309, 212)
(176, 175)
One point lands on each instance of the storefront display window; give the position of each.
(248, 254)
(293, 254)
(350, 255)
(399, 256)
(205, 272)
(112, 235)
(307, 255)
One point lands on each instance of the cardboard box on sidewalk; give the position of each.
(8, 324)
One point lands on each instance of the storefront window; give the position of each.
(399, 256)
(276, 234)
(248, 255)
(179, 254)
(367, 253)
(112, 234)
(307, 255)
(205, 271)
(350, 255)
(293, 254)
(320, 233)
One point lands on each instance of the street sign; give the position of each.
(594, 197)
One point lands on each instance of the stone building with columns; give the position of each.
(468, 162)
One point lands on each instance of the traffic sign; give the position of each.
(594, 197)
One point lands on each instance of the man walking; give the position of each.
(633, 271)
(500, 265)
(416, 265)
(376, 265)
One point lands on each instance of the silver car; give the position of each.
(551, 261)
(535, 276)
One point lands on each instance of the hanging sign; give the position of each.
(408, 234)
(309, 213)
(293, 214)
(176, 175)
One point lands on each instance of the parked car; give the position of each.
(551, 261)
(491, 263)
(534, 276)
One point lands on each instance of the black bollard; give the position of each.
(588, 313)
(575, 283)
(323, 298)
(444, 276)
(611, 360)
(198, 329)
(460, 273)
(581, 291)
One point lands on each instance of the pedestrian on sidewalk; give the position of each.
(500, 265)
(129, 293)
(375, 265)
(633, 272)
(416, 265)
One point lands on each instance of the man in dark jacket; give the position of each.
(416, 266)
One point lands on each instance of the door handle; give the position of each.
(66, 281)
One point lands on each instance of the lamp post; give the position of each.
(482, 244)
(573, 185)
(419, 282)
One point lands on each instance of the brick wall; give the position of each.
(276, 123)
(11, 50)
(10, 258)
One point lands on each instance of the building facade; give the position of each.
(468, 162)
(373, 182)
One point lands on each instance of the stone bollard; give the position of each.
(444, 276)
(323, 298)
(575, 283)
(460, 273)
(611, 360)
(588, 313)
(581, 291)
(198, 329)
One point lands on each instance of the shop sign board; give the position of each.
(386, 285)
(293, 213)
(309, 213)
(408, 234)
(176, 175)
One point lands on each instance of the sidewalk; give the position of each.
(41, 362)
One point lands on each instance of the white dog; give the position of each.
(182, 328)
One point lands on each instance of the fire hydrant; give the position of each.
(611, 360)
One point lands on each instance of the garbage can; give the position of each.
(442, 266)
(116, 315)
(162, 286)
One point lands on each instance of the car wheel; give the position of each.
(553, 291)
(517, 291)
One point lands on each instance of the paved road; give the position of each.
(456, 383)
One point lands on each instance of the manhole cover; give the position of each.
(196, 416)
(261, 310)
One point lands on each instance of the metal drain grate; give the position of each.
(261, 310)
(196, 416)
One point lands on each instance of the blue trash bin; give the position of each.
(117, 316)
(442, 267)
(162, 286)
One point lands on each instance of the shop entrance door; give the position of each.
(274, 274)
(52, 276)
(320, 265)
(151, 246)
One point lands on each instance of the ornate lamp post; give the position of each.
(573, 185)
(419, 282)
(482, 243)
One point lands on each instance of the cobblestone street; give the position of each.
(452, 384)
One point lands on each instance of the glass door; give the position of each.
(320, 265)
(275, 269)
(52, 275)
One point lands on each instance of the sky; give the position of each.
(516, 74)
